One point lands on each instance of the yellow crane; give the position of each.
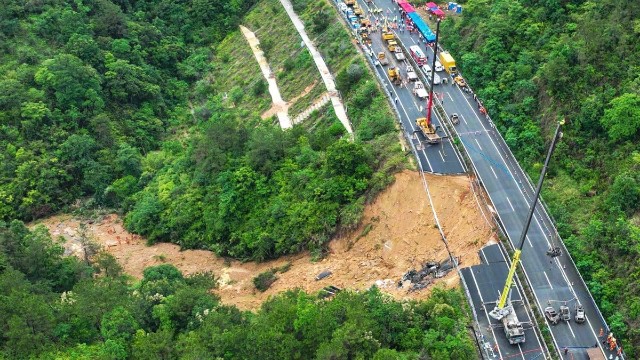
(504, 310)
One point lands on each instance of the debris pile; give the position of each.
(431, 270)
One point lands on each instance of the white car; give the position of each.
(436, 78)
(439, 66)
(426, 69)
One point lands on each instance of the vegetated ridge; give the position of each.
(535, 63)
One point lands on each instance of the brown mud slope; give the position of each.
(397, 233)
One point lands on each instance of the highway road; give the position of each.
(484, 282)
(554, 281)
(442, 158)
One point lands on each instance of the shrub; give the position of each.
(263, 281)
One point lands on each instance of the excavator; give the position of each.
(504, 310)
(394, 75)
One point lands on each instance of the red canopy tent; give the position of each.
(431, 5)
(439, 13)
(407, 7)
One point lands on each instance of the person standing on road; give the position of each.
(397, 99)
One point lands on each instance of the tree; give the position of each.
(622, 119)
(74, 85)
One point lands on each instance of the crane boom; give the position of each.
(502, 309)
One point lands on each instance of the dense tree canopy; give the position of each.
(535, 62)
(98, 313)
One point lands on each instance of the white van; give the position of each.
(436, 78)
(439, 66)
(426, 69)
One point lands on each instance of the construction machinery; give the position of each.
(357, 9)
(382, 58)
(429, 131)
(394, 75)
(460, 81)
(392, 45)
(504, 310)
(386, 34)
(350, 2)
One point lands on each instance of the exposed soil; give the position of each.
(397, 233)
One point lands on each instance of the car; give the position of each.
(564, 313)
(426, 69)
(439, 66)
(551, 315)
(455, 119)
(436, 78)
(460, 81)
(580, 318)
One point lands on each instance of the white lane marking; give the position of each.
(494, 172)
(529, 241)
(442, 157)
(413, 129)
(463, 119)
(475, 282)
(549, 282)
(477, 142)
(449, 95)
(509, 201)
(572, 333)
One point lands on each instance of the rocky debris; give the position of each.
(419, 279)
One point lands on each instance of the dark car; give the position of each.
(551, 315)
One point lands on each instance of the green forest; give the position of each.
(56, 307)
(536, 62)
(125, 105)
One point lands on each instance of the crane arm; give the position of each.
(507, 285)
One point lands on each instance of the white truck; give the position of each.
(411, 74)
(419, 90)
(399, 54)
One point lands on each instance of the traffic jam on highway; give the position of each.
(434, 104)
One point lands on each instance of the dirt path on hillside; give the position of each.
(280, 107)
(327, 78)
(401, 235)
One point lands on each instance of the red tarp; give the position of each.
(431, 5)
(438, 12)
(407, 7)
(400, 2)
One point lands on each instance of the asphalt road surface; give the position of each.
(442, 158)
(484, 282)
(554, 281)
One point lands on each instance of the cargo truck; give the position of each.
(447, 62)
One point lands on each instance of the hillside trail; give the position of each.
(281, 108)
(397, 234)
(327, 78)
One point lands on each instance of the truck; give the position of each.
(419, 90)
(595, 354)
(429, 131)
(447, 62)
(392, 45)
(417, 55)
(513, 328)
(411, 74)
(382, 58)
(399, 54)
(386, 34)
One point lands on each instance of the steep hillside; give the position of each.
(535, 62)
